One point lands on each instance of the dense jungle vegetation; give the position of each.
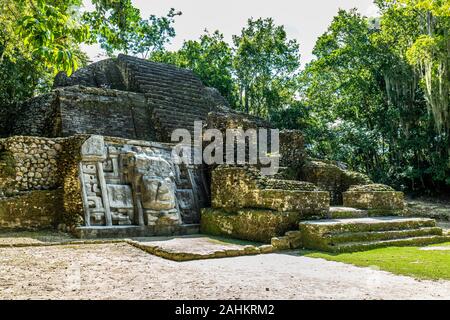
(376, 96)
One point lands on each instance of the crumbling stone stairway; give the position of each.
(357, 234)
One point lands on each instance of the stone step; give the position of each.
(138, 75)
(179, 104)
(168, 107)
(167, 84)
(161, 67)
(366, 224)
(413, 241)
(175, 91)
(164, 73)
(354, 234)
(381, 235)
(182, 100)
(346, 213)
(175, 120)
(180, 114)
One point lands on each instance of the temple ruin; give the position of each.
(93, 157)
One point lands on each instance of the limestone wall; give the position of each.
(292, 149)
(378, 199)
(39, 182)
(224, 118)
(105, 112)
(29, 163)
(84, 110)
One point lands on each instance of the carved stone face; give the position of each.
(155, 178)
(158, 193)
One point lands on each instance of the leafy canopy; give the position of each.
(118, 26)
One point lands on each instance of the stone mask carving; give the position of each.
(154, 178)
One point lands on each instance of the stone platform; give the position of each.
(198, 247)
(347, 235)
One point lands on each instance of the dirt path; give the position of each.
(119, 271)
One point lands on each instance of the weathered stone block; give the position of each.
(307, 203)
(295, 239)
(243, 187)
(280, 243)
(248, 224)
(374, 198)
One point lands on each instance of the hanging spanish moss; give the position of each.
(431, 55)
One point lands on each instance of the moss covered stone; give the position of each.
(346, 235)
(7, 173)
(31, 210)
(377, 202)
(248, 224)
(29, 164)
(68, 164)
(236, 187)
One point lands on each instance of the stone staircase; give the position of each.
(357, 234)
(176, 96)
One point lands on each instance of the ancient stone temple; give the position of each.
(94, 157)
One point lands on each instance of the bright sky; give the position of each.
(304, 20)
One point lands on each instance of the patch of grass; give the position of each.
(408, 261)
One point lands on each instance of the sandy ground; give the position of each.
(120, 271)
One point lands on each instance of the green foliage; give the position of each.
(366, 105)
(257, 75)
(19, 79)
(37, 39)
(118, 26)
(376, 97)
(266, 63)
(43, 31)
